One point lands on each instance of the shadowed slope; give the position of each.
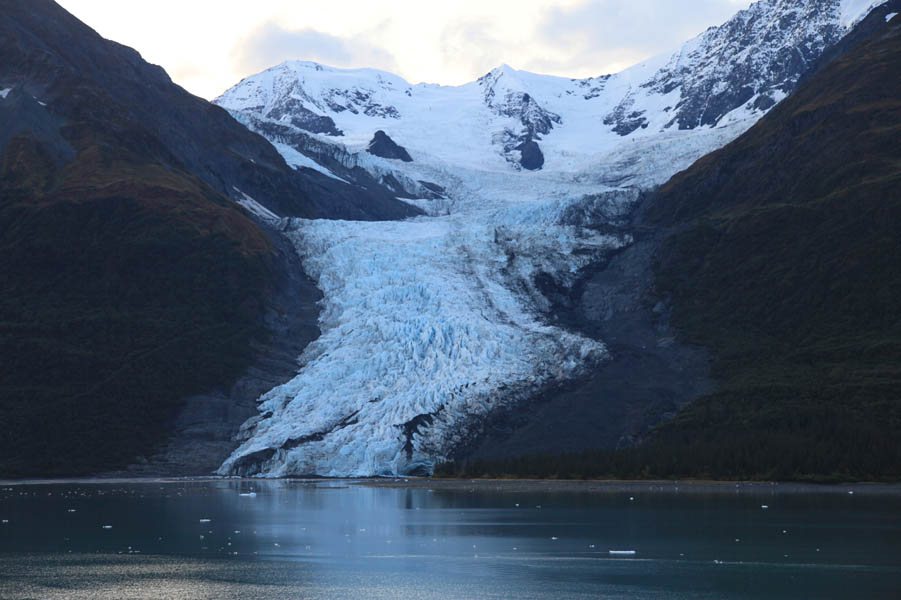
(789, 269)
(129, 278)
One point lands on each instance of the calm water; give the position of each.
(334, 540)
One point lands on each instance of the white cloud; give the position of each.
(270, 44)
(208, 45)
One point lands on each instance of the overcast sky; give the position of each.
(209, 45)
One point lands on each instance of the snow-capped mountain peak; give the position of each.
(731, 73)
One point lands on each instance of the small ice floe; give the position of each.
(205, 520)
(107, 526)
(631, 498)
(71, 510)
(764, 506)
(248, 495)
(4, 521)
(623, 552)
(851, 492)
(555, 538)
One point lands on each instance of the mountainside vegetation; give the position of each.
(126, 281)
(130, 278)
(124, 286)
(782, 256)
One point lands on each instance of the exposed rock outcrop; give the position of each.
(384, 146)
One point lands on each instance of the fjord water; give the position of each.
(329, 539)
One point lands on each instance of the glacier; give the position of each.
(429, 325)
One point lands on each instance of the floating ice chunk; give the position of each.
(4, 521)
(623, 552)
(205, 520)
(764, 506)
(248, 495)
(555, 538)
(107, 526)
(71, 510)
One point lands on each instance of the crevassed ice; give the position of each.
(421, 334)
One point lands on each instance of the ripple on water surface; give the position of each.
(290, 539)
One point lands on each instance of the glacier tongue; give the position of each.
(421, 337)
(432, 324)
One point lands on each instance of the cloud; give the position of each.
(470, 47)
(270, 44)
(616, 34)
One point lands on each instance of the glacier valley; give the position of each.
(431, 324)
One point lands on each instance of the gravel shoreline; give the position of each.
(508, 485)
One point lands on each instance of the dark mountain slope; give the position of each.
(780, 253)
(123, 287)
(129, 279)
(47, 54)
(787, 266)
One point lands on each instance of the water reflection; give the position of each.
(259, 538)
